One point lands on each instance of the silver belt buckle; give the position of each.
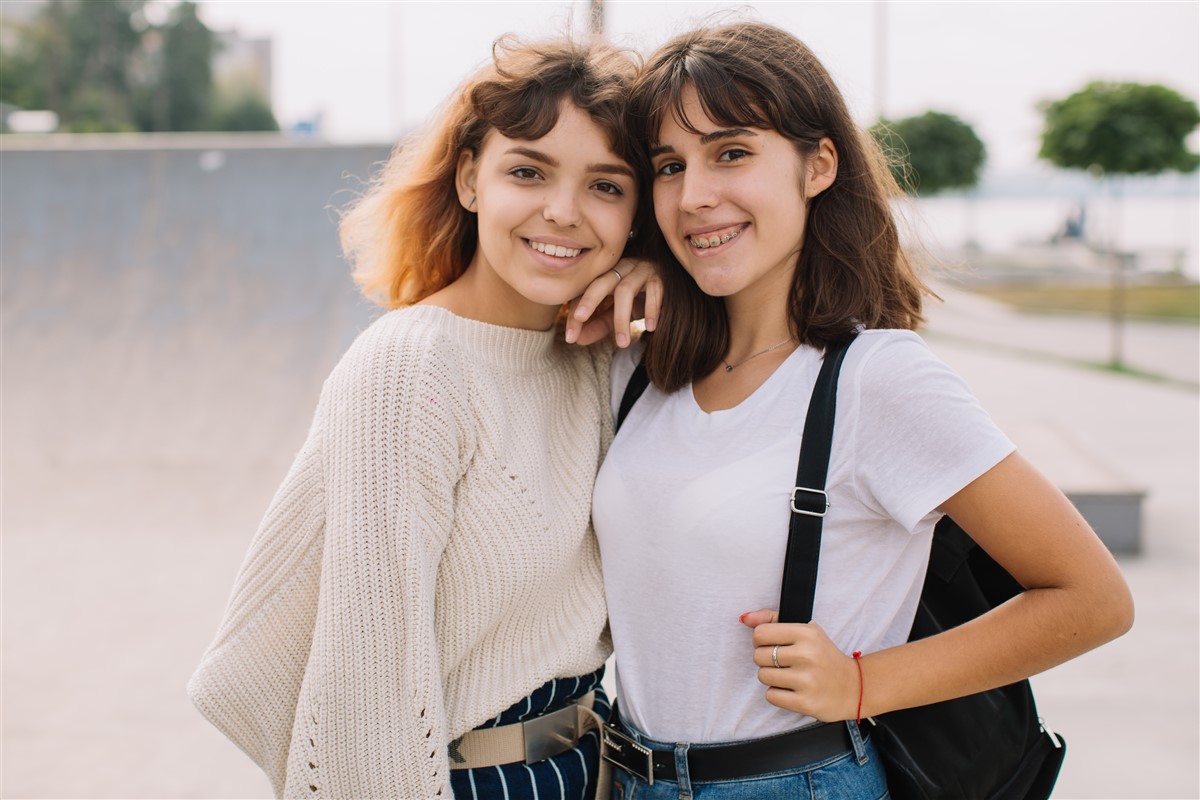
(627, 752)
(550, 734)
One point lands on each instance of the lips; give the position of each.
(555, 250)
(704, 240)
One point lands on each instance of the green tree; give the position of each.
(245, 111)
(73, 58)
(187, 51)
(932, 153)
(22, 83)
(102, 66)
(1115, 130)
(1121, 128)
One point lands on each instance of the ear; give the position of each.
(464, 179)
(821, 168)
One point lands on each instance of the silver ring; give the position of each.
(619, 275)
(775, 656)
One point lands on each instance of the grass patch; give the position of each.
(1121, 368)
(1171, 301)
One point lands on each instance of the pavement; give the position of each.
(139, 453)
(1134, 701)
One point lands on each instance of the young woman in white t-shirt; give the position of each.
(778, 242)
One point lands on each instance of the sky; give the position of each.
(375, 70)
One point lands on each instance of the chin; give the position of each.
(550, 297)
(716, 285)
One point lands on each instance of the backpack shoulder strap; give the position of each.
(638, 382)
(809, 502)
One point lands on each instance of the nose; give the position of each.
(698, 191)
(562, 208)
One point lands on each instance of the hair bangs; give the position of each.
(724, 99)
(527, 114)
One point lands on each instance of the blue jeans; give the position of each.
(854, 775)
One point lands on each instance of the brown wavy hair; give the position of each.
(851, 268)
(408, 236)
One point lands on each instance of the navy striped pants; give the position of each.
(570, 775)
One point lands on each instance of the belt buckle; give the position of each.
(550, 734)
(627, 752)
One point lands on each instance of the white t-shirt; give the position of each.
(692, 512)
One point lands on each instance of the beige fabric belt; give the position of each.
(532, 740)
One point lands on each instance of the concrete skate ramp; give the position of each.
(170, 308)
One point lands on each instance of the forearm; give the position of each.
(1033, 632)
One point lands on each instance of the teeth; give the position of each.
(554, 250)
(713, 241)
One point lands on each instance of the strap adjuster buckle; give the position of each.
(808, 512)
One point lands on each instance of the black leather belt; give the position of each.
(728, 762)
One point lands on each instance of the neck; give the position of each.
(480, 295)
(756, 323)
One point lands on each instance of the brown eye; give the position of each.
(608, 187)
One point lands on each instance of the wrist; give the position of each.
(858, 702)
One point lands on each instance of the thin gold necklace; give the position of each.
(730, 367)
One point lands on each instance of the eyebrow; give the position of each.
(706, 138)
(537, 155)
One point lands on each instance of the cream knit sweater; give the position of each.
(427, 562)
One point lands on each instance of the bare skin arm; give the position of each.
(1075, 599)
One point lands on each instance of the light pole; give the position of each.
(880, 59)
(596, 17)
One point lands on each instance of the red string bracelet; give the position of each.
(858, 660)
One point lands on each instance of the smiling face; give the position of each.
(731, 201)
(553, 214)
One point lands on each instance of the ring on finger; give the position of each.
(775, 656)
(619, 275)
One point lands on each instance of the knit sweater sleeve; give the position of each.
(371, 720)
(249, 679)
(325, 669)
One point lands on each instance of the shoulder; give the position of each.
(405, 341)
(888, 352)
(624, 362)
(890, 366)
(403, 362)
(413, 331)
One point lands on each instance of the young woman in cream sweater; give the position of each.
(426, 578)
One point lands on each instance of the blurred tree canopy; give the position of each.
(103, 66)
(187, 51)
(1122, 128)
(931, 153)
(239, 110)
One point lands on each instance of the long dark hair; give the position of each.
(851, 268)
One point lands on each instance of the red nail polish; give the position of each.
(742, 618)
